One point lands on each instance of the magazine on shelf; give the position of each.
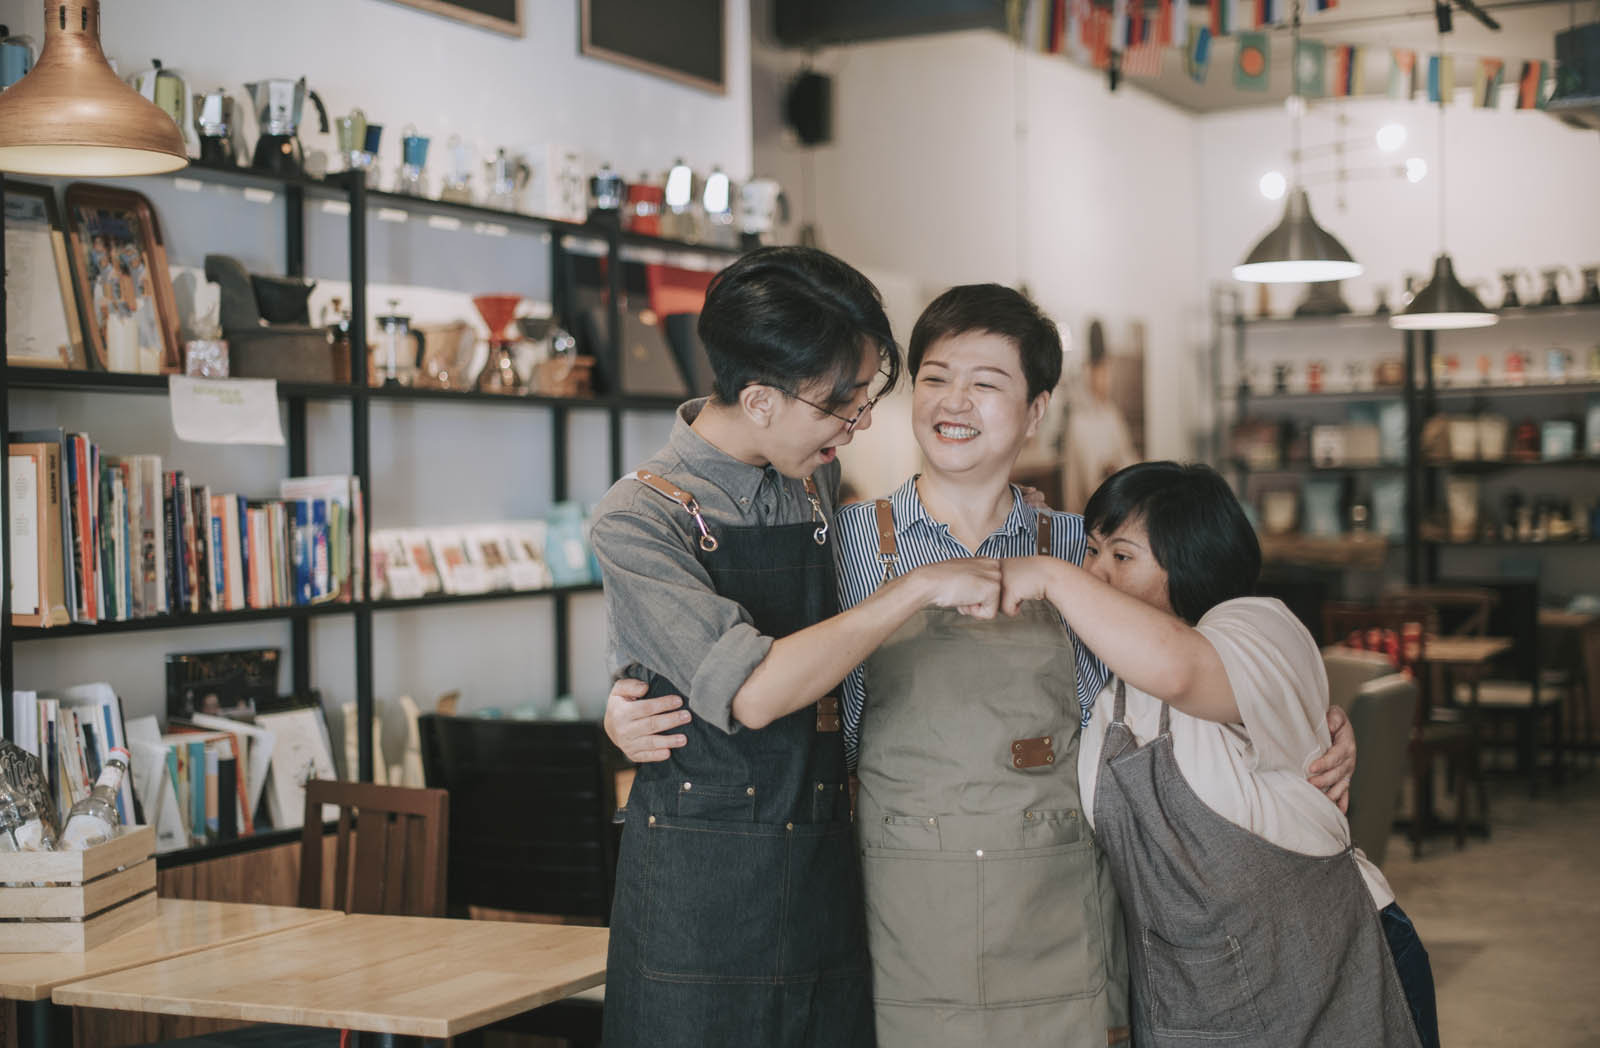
(301, 753)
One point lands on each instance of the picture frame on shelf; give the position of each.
(681, 40)
(119, 262)
(43, 328)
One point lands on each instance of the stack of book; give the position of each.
(71, 733)
(525, 555)
(98, 539)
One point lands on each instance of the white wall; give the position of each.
(925, 179)
(1521, 191)
(432, 463)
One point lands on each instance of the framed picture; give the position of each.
(120, 262)
(42, 325)
(682, 40)
(503, 16)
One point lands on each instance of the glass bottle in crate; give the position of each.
(21, 827)
(94, 818)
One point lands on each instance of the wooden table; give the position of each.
(181, 927)
(1464, 652)
(411, 976)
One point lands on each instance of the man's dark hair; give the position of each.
(996, 310)
(1197, 530)
(787, 317)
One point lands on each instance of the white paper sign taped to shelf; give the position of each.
(225, 410)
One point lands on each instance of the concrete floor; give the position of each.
(1512, 924)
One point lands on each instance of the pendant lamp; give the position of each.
(1445, 302)
(71, 115)
(1297, 250)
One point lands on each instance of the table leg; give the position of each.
(43, 1024)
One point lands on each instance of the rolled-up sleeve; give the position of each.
(667, 618)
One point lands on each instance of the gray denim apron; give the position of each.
(737, 916)
(991, 916)
(1234, 940)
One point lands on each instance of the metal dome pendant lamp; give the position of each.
(71, 115)
(1444, 303)
(1297, 250)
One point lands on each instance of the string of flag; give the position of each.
(1133, 38)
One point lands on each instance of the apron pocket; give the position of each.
(824, 930)
(724, 803)
(1199, 990)
(922, 925)
(712, 899)
(1041, 925)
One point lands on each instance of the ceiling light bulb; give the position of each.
(1273, 185)
(1416, 169)
(1391, 137)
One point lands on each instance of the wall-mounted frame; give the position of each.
(43, 329)
(502, 16)
(120, 263)
(682, 40)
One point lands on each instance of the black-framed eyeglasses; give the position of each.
(852, 421)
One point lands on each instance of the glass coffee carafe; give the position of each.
(399, 351)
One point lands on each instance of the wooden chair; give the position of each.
(399, 863)
(1523, 691)
(552, 853)
(1432, 735)
(398, 837)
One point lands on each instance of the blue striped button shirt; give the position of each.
(922, 540)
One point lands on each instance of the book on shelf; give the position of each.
(301, 752)
(408, 563)
(122, 538)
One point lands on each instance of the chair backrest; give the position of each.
(533, 805)
(1381, 718)
(1391, 629)
(1460, 610)
(1514, 615)
(1349, 669)
(398, 866)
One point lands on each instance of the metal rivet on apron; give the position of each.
(749, 791)
(1027, 815)
(1050, 759)
(789, 826)
(819, 787)
(980, 853)
(652, 820)
(933, 822)
(688, 785)
(1047, 740)
(1072, 813)
(886, 818)
(1017, 762)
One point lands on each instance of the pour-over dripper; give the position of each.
(499, 374)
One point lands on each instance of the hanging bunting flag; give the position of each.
(1197, 54)
(1403, 75)
(1221, 17)
(1310, 69)
(1348, 73)
(1253, 63)
(1441, 78)
(1530, 86)
(1486, 83)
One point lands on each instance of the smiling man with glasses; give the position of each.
(738, 911)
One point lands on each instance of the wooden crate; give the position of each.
(90, 896)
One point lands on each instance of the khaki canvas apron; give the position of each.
(991, 915)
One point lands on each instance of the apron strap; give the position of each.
(888, 550)
(708, 541)
(821, 534)
(1043, 528)
(1121, 709)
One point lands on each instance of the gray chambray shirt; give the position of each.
(664, 618)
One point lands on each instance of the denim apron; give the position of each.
(737, 916)
(991, 916)
(1234, 940)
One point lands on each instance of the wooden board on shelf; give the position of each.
(1346, 552)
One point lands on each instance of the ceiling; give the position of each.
(1527, 31)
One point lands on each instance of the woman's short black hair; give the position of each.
(787, 317)
(996, 310)
(1198, 532)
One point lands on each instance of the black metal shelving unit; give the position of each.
(1422, 399)
(362, 203)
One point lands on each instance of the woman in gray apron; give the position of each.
(991, 915)
(1250, 918)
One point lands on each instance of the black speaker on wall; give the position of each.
(809, 108)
